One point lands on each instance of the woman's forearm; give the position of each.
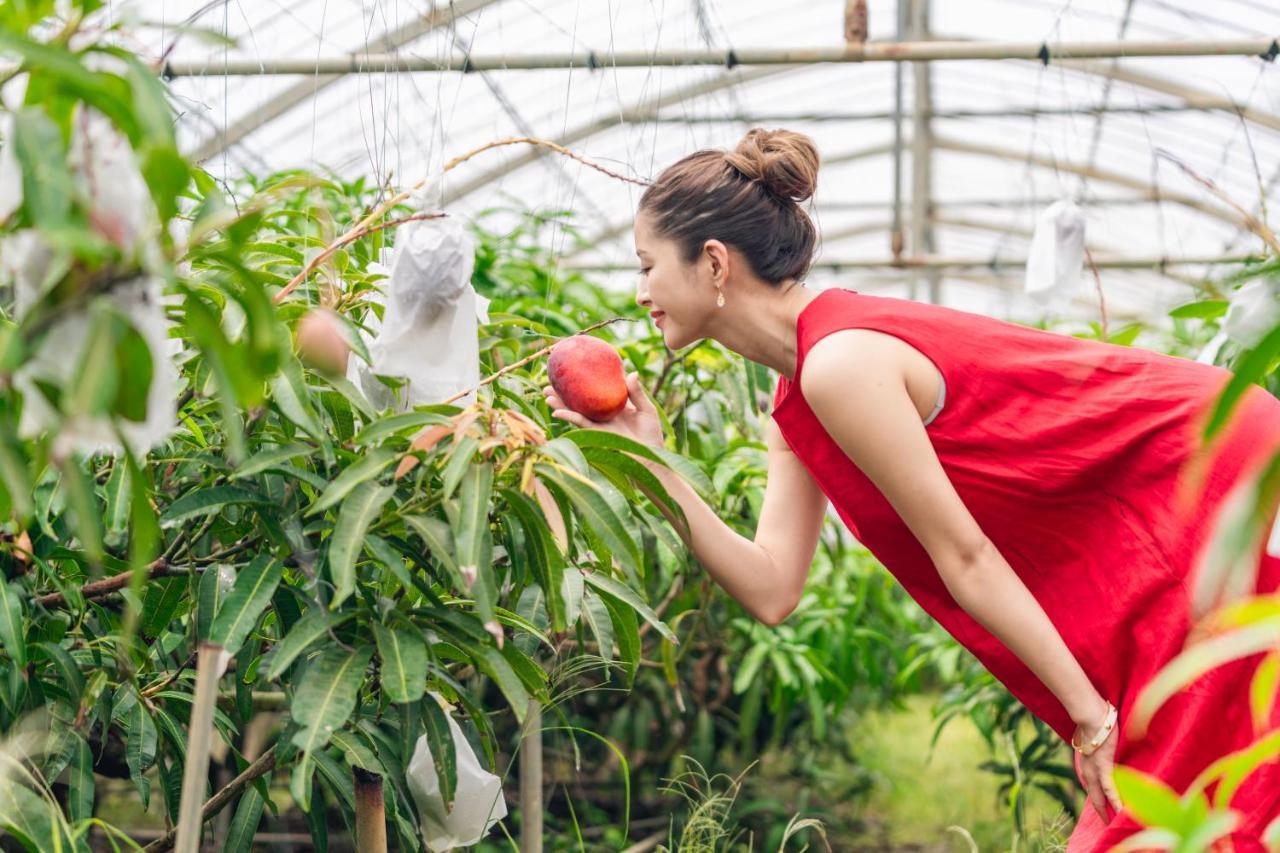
(992, 593)
(741, 567)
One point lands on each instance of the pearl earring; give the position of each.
(720, 299)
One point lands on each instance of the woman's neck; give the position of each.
(759, 323)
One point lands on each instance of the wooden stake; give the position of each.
(196, 772)
(371, 815)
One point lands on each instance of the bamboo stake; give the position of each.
(531, 780)
(371, 815)
(196, 770)
(218, 801)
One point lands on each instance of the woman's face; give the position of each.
(679, 295)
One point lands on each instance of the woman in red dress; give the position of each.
(1027, 488)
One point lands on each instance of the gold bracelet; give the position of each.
(1100, 737)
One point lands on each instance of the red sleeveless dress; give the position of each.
(1070, 455)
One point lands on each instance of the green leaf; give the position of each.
(28, 816)
(215, 583)
(597, 616)
(326, 697)
(47, 188)
(473, 521)
(1195, 660)
(290, 395)
(541, 552)
(65, 665)
(166, 174)
(384, 428)
(357, 512)
(631, 598)
(686, 468)
(12, 634)
(1152, 802)
(118, 502)
(93, 385)
(270, 458)
(460, 456)
(84, 508)
(250, 595)
(587, 499)
(203, 501)
(140, 749)
(404, 663)
(1252, 367)
(438, 537)
(491, 662)
(443, 751)
(1208, 309)
(626, 631)
(80, 782)
(366, 469)
(133, 365)
(355, 746)
(311, 627)
(245, 823)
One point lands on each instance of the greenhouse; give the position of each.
(589, 425)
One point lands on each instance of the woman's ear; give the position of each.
(717, 254)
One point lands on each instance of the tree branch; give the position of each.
(219, 800)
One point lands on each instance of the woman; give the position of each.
(1027, 488)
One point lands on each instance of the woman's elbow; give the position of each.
(775, 611)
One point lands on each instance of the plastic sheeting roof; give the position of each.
(1011, 135)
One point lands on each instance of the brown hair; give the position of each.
(748, 198)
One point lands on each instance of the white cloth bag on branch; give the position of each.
(1056, 257)
(477, 802)
(120, 210)
(428, 334)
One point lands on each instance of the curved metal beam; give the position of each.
(581, 132)
(313, 84)
(1149, 191)
(1191, 96)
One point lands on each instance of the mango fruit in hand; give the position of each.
(321, 342)
(586, 373)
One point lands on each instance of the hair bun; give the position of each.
(783, 161)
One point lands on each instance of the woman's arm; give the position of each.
(765, 575)
(869, 413)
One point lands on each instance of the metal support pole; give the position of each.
(922, 235)
(896, 238)
(945, 263)
(928, 51)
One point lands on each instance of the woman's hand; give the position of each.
(1096, 769)
(638, 421)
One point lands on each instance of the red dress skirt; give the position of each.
(1073, 456)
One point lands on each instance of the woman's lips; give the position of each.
(657, 317)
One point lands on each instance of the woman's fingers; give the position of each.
(637, 394)
(1109, 789)
(572, 417)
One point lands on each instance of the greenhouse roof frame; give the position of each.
(999, 128)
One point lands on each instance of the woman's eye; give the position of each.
(645, 270)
